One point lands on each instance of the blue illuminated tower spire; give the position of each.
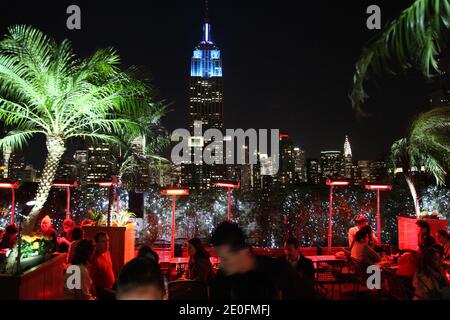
(206, 26)
(205, 105)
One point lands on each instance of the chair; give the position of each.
(188, 290)
(359, 270)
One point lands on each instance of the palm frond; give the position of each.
(413, 39)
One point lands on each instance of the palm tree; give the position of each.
(138, 149)
(426, 147)
(415, 38)
(45, 90)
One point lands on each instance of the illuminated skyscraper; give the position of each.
(286, 176)
(205, 109)
(300, 167)
(347, 160)
(313, 171)
(331, 164)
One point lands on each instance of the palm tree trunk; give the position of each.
(413, 191)
(56, 148)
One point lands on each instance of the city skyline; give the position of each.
(277, 74)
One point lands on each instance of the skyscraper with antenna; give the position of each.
(205, 107)
(347, 159)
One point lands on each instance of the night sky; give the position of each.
(287, 64)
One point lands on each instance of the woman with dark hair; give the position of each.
(200, 267)
(430, 277)
(83, 252)
(9, 237)
(444, 240)
(77, 235)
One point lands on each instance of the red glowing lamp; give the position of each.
(332, 184)
(64, 184)
(229, 185)
(110, 185)
(9, 185)
(337, 183)
(284, 136)
(106, 184)
(67, 185)
(226, 184)
(174, 192)
(378, 187)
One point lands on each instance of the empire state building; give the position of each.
(205, 109)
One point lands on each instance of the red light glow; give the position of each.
(175, 192)
(9, 185)
(105, 184)
(337, 183)
(224, 184)
(64, 185)
(378, 187)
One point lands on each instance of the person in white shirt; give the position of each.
(361, 222)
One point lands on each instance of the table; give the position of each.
(327, 275)
(325, 258)
(182, 262)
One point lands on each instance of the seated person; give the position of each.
(101, 267)
(140, 279)
(301, 264)
(424, 235)
(200, 267)
(444, 240)
(147, 251)
(243, 275)
(361, 251)
(430, 277)
(82, 254)
(361, 222)
(9, 237)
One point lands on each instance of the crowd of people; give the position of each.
(242, 275)
(422, 270)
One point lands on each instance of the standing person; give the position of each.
(82, 254)
(430, 277)
(48, 231)
(444, 240)
(9, 237)
(77, 235)
(200, 267)
(66, 235)
(361, 222)
(101, 267)
(243, 275)
(141, 279)
(296, 259)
